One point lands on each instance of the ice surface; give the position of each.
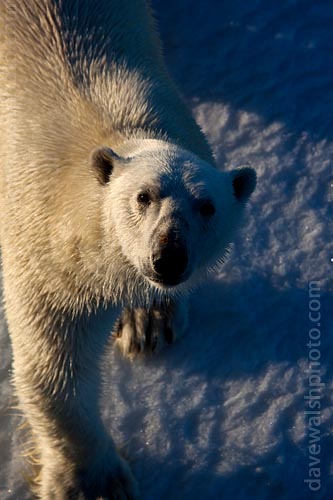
(220, 415)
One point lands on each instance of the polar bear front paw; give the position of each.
(140, 331)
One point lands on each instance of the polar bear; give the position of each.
(109, 199)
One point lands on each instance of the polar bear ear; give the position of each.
(102, 163)
(244, 181)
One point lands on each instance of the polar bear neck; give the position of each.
(139, 107)
(138, 146)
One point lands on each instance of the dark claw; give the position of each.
(168, 335)
(118, 328)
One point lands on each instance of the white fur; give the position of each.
(76, 76)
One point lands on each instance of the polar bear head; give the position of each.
(173, 214)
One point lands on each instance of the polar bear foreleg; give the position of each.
(57, 380)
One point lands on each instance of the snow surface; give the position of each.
(220, 415)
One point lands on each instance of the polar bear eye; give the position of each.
(207, 209)
(144, 198)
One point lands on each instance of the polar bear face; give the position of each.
(173, 214)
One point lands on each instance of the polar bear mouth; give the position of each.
(167, 279)
(166, 283)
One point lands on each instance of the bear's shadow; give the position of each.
(262, 57)
(237, 333)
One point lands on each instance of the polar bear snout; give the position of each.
(170, 264)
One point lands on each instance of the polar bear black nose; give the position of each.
(170, 264)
